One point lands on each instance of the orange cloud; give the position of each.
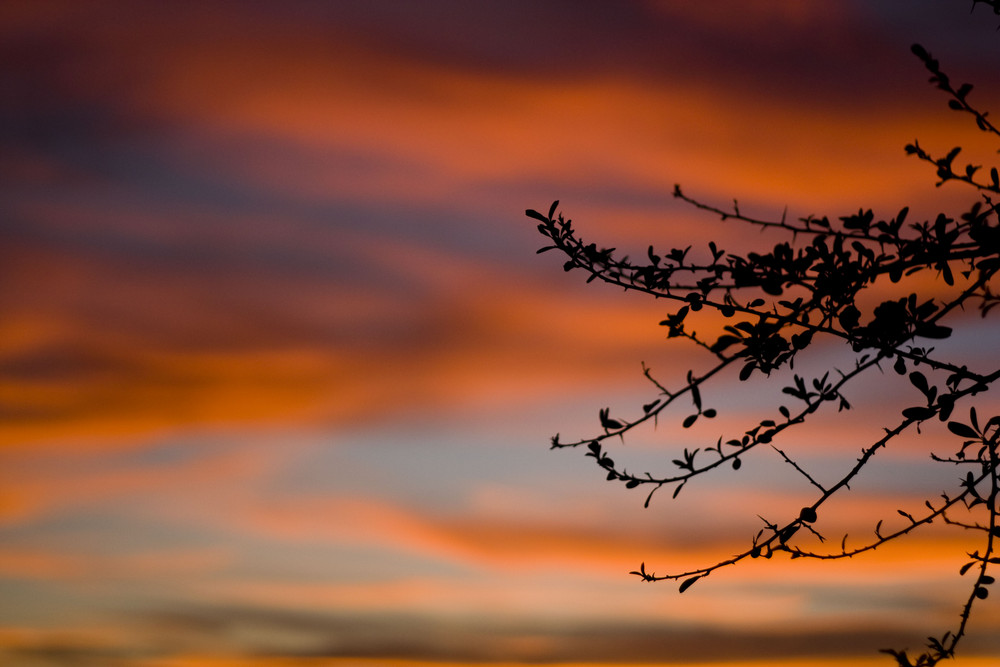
(47, 566)
(536, 541)
(69, 375)
(56, 479)
(347, 122)
(140, 299)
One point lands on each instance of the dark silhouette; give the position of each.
(995, 4)
(779, 303)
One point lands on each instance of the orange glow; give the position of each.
(52, 567)
(209, 661)
(464, 130)
(278, 364)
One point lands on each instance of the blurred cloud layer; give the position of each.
(278, 363)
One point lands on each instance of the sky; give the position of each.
(279, 364)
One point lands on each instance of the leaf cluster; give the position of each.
(807, 288)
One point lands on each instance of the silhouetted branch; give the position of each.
(778, 303)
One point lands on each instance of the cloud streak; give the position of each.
(261, 270)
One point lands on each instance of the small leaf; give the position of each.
(918, 413)
(689, 582)
(918, 380)
(935, 331)
(723, 342)
(552, 209)
(690, 420)
(962, 430)
(849, 317)
(800, 341)
(787, 533)
(695, 393)
(607, 422)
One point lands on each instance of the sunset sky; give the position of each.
(279, 364)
